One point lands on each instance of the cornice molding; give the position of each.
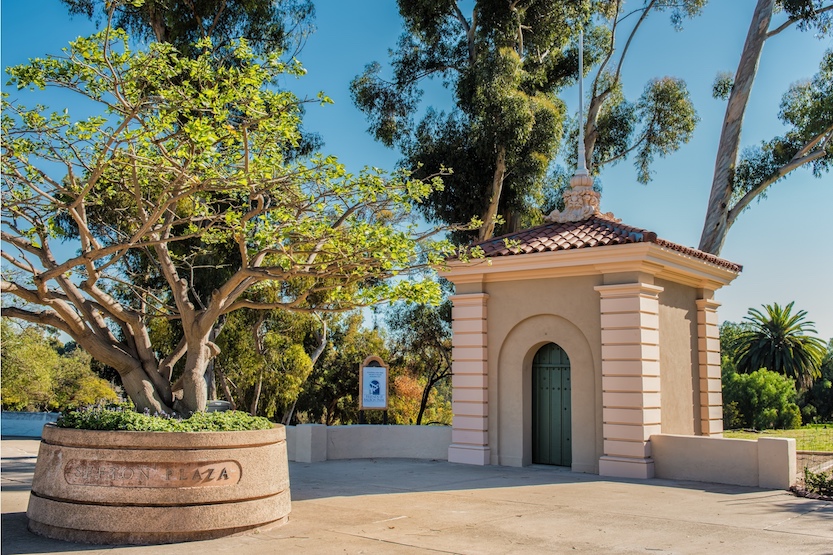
(650, 258)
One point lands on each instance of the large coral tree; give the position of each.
(109, 218)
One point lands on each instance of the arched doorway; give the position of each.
(551, 407)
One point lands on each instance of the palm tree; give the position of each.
(779, 341)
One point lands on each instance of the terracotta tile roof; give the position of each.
(595, 231)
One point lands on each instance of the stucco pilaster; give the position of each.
(631, 407)
(711, 393)
(470, 380)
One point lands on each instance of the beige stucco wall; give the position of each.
(523, 316)
(766, 463)
(679, 370)
(316, 442)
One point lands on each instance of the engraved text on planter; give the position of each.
(151, 475)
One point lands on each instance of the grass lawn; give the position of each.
(812, 437)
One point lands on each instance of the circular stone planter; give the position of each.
(157, 487)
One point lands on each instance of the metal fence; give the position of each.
(815, 455)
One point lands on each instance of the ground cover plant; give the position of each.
(124, 418)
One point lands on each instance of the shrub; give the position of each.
(125, 419)
(760, 400)
(39, 375)
(817, 402)
(819, 482)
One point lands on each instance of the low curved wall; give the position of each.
(157, 487)
(316, 442)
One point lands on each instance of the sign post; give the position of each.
(373, 385)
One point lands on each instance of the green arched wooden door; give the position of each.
(551, 441)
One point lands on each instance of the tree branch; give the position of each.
(792, 21)
(750, 195)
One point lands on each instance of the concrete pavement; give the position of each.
(392, 506)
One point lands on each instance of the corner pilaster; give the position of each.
(711, 389)
(631, 408)
(470, 380)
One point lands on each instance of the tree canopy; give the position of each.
(183, 156)
(505, 63)
(657, 123)
(276, 25)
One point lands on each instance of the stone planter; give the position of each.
(157, 487)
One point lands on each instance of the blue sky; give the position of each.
(783, 242)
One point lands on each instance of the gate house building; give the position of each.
(577, 340)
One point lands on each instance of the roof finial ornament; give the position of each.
(580, 200)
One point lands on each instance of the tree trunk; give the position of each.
(137, 380)
(210, 377)
(257, 334)
(225, 385)
(256, 394)
(157, 23)
(487, 230)
(142, 392)
(423, 403)
(194, 390)
(716, 224)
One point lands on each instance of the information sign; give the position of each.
(373, 384)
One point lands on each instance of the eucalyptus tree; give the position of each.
(505, 63)
(656, 124)
(780, 341)
(185, 149)
(806, 110)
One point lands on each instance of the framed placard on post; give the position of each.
(373, 384)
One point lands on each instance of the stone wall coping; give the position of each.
(107, 439)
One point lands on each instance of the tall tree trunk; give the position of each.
(716, 224)
(487, 230)
(157, 23)
(423, 403)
